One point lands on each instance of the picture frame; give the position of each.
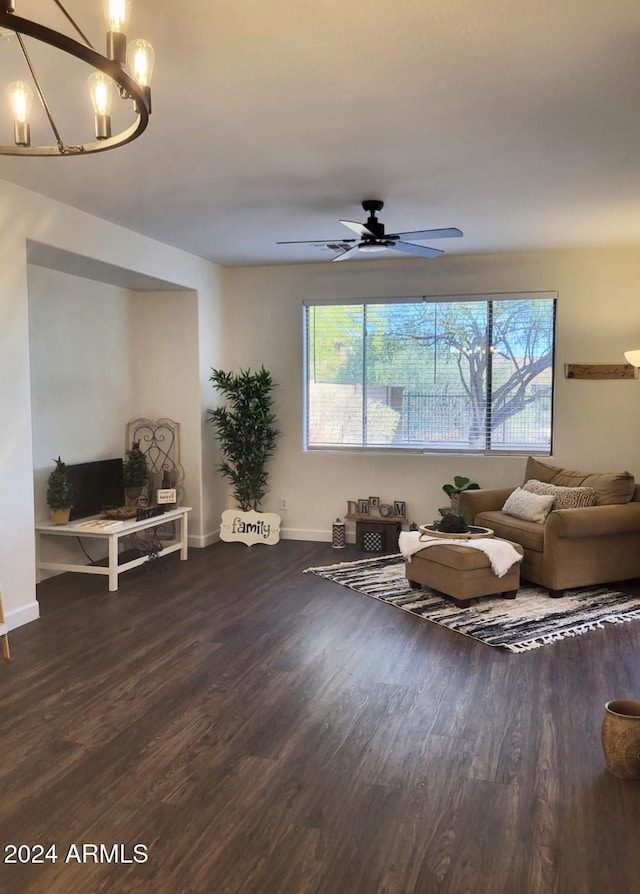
(363, 507)
(399, 508)
(374, 502)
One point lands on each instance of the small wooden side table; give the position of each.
(375, 534)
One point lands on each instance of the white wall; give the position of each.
(165, 374)
(81, 347)
(597, 423)
(99, 249)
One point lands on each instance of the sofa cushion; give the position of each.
(508, 527)
(531, 507)
(565, 497)
(610, 487)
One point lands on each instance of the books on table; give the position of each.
(99, 524)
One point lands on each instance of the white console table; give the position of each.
(113, 535)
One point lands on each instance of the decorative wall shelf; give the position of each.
(600, 371)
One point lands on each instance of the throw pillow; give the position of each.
(565, 497)
(531, 507)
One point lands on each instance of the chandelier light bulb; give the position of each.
(21, 96)
(142, 58)
(21, 100)
(117, 13)
(101, 92)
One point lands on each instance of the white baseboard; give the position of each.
(23, 615)
(304, 534)
(311, 534)
(200, 541)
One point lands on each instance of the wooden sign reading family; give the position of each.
(250, 527)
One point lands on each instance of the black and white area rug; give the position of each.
(531, 620)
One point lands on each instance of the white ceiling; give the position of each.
(518, 122)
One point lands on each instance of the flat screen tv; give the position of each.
(96, 486)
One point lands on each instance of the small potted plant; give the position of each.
(59, 494)
(452, 522)
(136, 473)
(459, 486)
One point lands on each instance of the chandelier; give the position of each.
(125, 69)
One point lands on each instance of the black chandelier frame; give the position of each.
(128, 87)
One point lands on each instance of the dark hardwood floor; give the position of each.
(261, 731)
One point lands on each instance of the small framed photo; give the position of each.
(363, 507)
(374, 502)
(399, 507)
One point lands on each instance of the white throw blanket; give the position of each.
(499, 552)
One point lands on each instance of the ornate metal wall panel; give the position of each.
(160, 443)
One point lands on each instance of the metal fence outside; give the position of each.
(438, 418)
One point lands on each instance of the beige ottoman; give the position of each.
(461, 572)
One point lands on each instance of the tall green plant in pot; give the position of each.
(59, 493)
(245, 426)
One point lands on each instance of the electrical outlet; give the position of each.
(284, 504)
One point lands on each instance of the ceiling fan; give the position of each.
(372, 237)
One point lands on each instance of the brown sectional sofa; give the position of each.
(574, 547)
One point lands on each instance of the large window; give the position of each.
(472, 374)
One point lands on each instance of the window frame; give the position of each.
(487, 298)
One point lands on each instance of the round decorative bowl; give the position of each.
(475, 532)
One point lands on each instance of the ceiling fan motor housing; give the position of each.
(372, 206)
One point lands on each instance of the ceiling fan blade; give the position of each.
(358, 228)
(443, 233)
(349, 253)
(317, 241)
(421, 250)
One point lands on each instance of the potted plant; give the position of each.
(459, 486)
(451, 522)
(245, 427)
(136, 472)
(59, 494)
